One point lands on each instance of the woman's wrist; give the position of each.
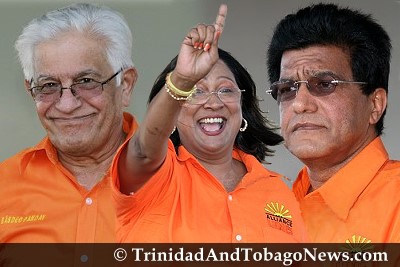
(175, 92)
(183, 83)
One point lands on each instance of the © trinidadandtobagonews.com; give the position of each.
(242, 254)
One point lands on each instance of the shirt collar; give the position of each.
(255, 170)
(342, 190)
(184, 155)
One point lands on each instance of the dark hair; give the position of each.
(259, 133)
(328, 24)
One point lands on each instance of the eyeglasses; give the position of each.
(287, 90)
(226, 95)
(85, 88)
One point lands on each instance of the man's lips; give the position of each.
(306, 126)
(73, 118)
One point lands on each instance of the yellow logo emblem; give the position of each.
(279, 217)
(357, 243)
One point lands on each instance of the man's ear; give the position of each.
(27, 84)
(128, 81)
(379, 102)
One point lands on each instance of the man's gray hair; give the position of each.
(100, 21)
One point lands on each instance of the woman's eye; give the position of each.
(198, 92)
(226, 90)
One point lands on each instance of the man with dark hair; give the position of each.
(329, 70)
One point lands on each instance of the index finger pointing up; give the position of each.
(220, 20)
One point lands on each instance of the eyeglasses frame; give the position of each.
(213, 92)
(297, 85)
(72, 85)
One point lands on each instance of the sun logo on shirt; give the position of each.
(279, 217)
(277, 210)
(357, 243)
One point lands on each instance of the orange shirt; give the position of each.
(42, 202)
(360, 202)
(183, 202)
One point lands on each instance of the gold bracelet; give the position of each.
(176, 91)
(179, 98)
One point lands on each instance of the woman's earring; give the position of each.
(173, 130)
(242, 129)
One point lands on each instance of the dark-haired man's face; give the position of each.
(324, 131)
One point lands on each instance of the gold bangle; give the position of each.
(179, 98)
(176, 91)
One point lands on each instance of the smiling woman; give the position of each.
(207, 184)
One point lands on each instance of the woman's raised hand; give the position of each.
(199, 52)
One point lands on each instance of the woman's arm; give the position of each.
(147, 149)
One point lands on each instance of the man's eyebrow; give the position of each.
(313, 73)
(75, 76)
(319, 73)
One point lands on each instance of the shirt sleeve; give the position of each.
(152, 191)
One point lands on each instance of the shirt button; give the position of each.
(89, 201)
(230, 197)
(84, 258)
(238, 237)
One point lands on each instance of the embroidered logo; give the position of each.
(8, 219)
(357, 243)
(279, 217)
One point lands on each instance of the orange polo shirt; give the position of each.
(183, 203)
(360, 202)
(42, 202)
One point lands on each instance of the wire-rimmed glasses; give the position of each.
(86, 88)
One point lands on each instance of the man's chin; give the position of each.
(70, 144)
(304, 151)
